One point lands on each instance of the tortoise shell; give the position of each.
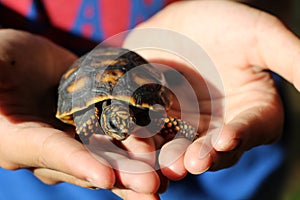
(110, 74)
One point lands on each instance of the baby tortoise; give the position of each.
(110, 91)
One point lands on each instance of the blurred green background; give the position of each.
(291, 97)
(289, 12)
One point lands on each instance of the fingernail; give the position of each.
(92, 183)
(205, 164)
(101, 182)
(204, 152)
(222, 145)
(96, 186)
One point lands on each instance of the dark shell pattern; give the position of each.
(110, 73)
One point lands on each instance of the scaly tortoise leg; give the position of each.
(174, 126)
(87, 124)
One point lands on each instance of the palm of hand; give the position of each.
(235, 44)
(31, 137)
(236, 39)
(28, 79)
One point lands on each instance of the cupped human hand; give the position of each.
(244, 44)
(31, 137)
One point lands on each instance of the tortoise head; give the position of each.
(116, 121)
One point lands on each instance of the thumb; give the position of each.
(50, 176)
(278, 48)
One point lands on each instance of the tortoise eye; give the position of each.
(112, 125)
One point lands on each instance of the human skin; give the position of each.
(235, 36)
(244, 43)
(31, 137)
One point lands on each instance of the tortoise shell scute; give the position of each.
(110, 73)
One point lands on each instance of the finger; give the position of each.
(222, 160)
(69, 156)
(53, 149)
(278, 49)
(164, 182)
(142, 149)
(50, 176)
(155, 183)
(199, 155)
(252, 127)
(130, 173)
(136, 181)
(171, 158)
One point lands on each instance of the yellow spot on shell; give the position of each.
(109, 76)
(77, 85)
(104, 63)
(69, 72)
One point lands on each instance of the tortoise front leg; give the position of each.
(167, 127)
(87, 123)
